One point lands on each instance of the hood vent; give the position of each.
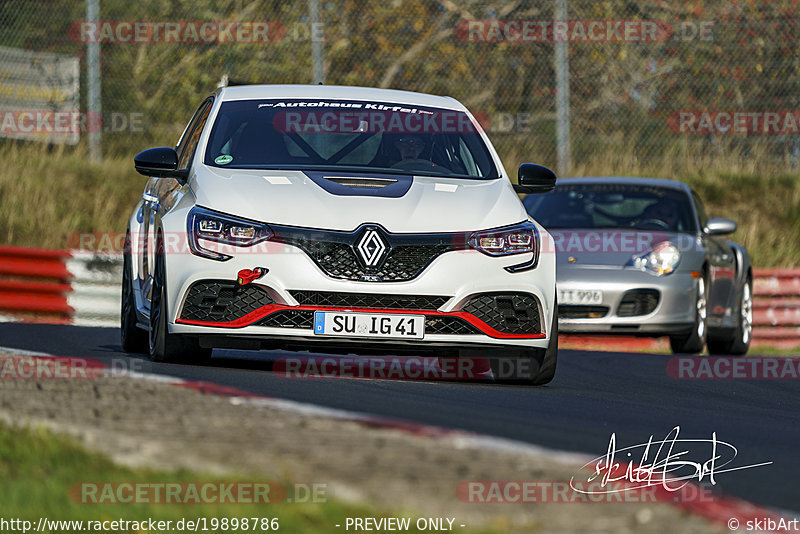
(362, 185)
(366, 183)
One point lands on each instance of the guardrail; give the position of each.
(776, 308)
(84, 288)
(35, 281)
(59, 286)
(96, 288)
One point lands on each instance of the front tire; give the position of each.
(164, 346)
(548, 368)
(737, 341)
(133, 338)
(694, 342)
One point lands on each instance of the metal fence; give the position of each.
(583, 85)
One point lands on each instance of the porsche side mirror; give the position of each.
(720, 226)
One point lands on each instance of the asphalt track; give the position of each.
(593, 395)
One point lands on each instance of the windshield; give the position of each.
(640, 207)
(348, 136)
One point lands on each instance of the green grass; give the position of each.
(38, 468)
(47, 196)
(767, 350)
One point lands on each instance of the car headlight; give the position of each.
(205, 224)
(517, 239)
(663, 259)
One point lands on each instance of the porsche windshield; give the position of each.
(352, 136)
(637, 206)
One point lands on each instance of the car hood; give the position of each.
(608, 248)
(418, 204)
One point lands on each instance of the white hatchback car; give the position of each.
(338, 219)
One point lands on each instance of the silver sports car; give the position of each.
(640, 256)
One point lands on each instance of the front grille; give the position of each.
(638, 302)
(569, 311)
(331, 299)
(404, 262)
(222, 301)
(455, 326)
(305, 319)
(370, 253)
(510, 313)
(289, 319)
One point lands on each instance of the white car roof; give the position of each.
(338, 92)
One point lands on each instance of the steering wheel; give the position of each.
(419, 165)
(658, 223)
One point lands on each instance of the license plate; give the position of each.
(346, 324)
(580, 296)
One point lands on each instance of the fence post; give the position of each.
(563, 147)
(317, 67)
(94, 124)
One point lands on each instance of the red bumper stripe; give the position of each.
(265, 311)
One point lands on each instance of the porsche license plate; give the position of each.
(348, 324)
(580, 296)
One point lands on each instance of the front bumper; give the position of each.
(634, 302)
(281, 318)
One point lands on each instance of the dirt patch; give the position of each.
(150, 423)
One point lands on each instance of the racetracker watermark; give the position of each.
(500, 122)
(197, 493)
(49, 368)
(573, 492)
(729, 368)
(619, 241)
(581, 31)
(625, 241)
(376, 118)
(562, 242)
(394, 367)
(93, 243)
(193, 32)
(37, 121)
(399, 119)
(180, 242)
(779, 122)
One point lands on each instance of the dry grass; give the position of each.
(46, 195)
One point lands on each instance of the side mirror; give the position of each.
(534, 178)
(720, 226)
(161, 162)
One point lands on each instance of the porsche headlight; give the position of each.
(663, 259)
(517, 239)
(207, 225)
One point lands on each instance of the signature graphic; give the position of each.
(662, 462)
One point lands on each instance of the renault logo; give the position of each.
(371, 247)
